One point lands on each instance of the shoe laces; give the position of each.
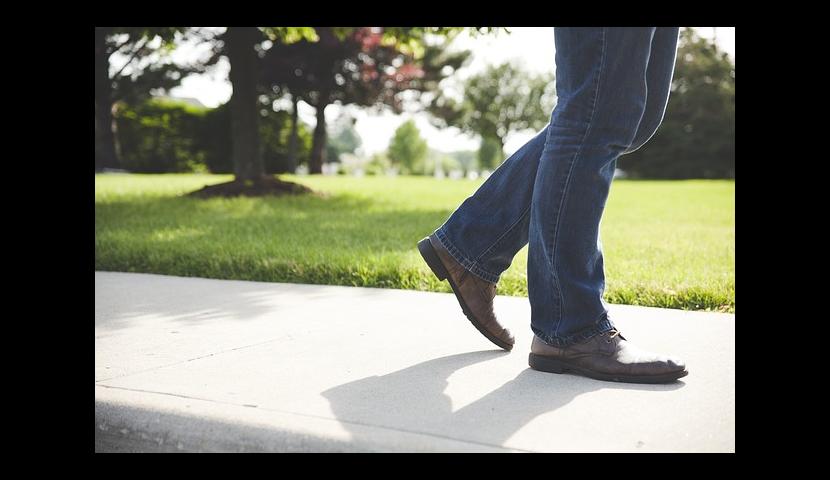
(613, 333)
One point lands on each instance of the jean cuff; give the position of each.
(605, 325)
(468, 265)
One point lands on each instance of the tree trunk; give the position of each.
(246, 153)
(105, 154)
(318, 149)
(292, 141)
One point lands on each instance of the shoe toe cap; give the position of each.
(676, 364)
(508, 336)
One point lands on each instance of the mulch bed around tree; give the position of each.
(250, 188)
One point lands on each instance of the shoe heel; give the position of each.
(546, 364)
(431, 257)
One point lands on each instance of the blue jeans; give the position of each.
(612, 86)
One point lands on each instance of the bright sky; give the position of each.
(531, 46)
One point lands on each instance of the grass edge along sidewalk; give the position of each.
(667, 243)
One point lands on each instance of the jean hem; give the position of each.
(459, 257)
(603, 326)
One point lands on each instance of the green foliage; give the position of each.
(413, 40)
(161, 136)
(352, 66)
(274, 131)
(288, 35)
(407, 149)
(490, 153)
(165, 135)
(697, 137)
(366, 66)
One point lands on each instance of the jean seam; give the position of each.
(503, 235)
(576, 158)
(456, 254)
(632, 148)
(506, 232)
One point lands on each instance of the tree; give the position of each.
(367, 66)
(292, 139)
(496, 102)
(315, 84)
(490, 154)
(246, 153)
(697, 136)
(274, 132)
(240, 44)
(142, 71)
(407, 149)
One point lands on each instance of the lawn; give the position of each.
(667, 243)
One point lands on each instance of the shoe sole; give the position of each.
(552, 365)
(437, 266)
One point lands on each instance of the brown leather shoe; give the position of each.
(474, 294)
(607, 356)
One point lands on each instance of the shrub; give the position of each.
(160, 136)
(166, 136)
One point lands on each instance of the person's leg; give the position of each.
(478, 241)
(487, 230)
(493, 224)
(659, 75)
(601, 80)
(613, 85)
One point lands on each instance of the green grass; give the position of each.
(667, 243)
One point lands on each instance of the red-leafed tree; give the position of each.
(365, 66)
(351, 65)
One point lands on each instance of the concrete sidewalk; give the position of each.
(190, 364)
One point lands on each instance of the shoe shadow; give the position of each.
(413, 400)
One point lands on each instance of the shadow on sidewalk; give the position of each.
(413, 399)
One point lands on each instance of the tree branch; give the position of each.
(135, 52)
(119, 47)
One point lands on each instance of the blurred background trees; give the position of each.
(408, 150)
(274, 70)
(359, 66)
(497, 102)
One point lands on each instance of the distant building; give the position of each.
(188, 100)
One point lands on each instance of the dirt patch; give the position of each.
(268, 186)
